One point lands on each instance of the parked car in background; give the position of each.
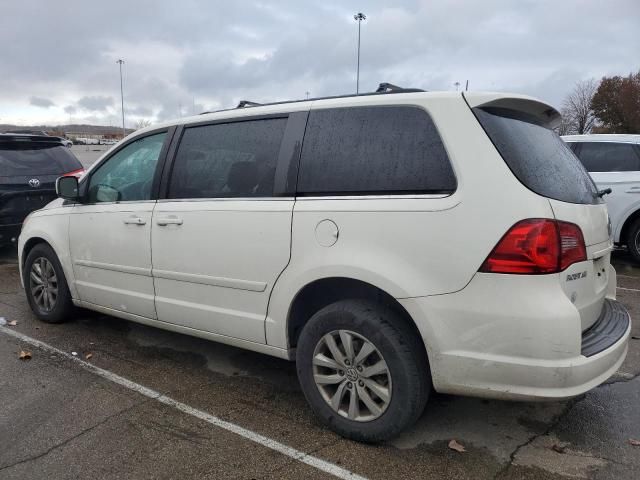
(65, 141)
(389, 243)
(614, 162)
(29, 166)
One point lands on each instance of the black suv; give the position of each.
(29, 166)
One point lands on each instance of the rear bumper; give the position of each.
(519, 339)
(610, 327)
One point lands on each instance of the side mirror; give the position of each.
(67, 188)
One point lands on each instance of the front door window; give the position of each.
(127, 176)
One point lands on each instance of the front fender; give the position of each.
(54, 230)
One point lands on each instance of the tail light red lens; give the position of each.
(535, 246)
(76, 173)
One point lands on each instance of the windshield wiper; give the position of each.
(602, 193)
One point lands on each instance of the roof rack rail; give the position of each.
(383, 89)
(386, 87)
(248, 103)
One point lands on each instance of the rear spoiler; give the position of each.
(543, 112)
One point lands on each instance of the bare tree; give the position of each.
(564, 128)
(577, 114)
(142, 123)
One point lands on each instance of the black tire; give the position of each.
(633, 240)
(402, 350)
(63, 307)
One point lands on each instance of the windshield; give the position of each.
(537, 156)
(17, 160)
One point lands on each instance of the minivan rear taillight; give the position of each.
(537, 245)
(76, 173)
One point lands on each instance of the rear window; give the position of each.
(608, 157)
(371, 150)
(537, 156)
(29, 159)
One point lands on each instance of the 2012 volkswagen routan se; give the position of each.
(389, 243)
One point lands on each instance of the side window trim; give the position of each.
(636, 149)
(288, 165)
(167, 166)
(84, 184)
(282, 164)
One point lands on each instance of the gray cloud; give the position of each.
(95, 103)
(140, 111)
(41, 102)
(217, 54)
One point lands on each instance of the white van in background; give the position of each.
(614, 162)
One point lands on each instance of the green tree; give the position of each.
(616, 104)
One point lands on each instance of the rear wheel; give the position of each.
(46, 286)
(633, 240)
(362, 370)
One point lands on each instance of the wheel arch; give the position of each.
(28, 246)
(41, 237)
(631, 218)
(319, 293)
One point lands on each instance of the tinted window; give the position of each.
(608, 157)
(537, 156)
(28, 159)
(227, 160)
(373, 150)
(128, 174)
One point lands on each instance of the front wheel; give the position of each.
(363, 370)
(46, 286)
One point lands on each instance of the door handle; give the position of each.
(633, 190)
(164, 221)
(134, 221)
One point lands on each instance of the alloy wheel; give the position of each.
(352, 375)
(43, 284)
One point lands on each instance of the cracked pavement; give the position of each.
(61, 421)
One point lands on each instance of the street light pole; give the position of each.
(359, 17)
(121, 62)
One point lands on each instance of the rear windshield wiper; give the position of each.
(602, 193)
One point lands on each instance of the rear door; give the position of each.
(614, 165)
(520, 128)
(221, 235)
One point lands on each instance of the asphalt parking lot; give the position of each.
(64, 418)
(88, 154)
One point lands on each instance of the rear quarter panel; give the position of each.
(410, 247)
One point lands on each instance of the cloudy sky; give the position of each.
(58, 59)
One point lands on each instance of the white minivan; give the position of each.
(390, 243)
(613, 161)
